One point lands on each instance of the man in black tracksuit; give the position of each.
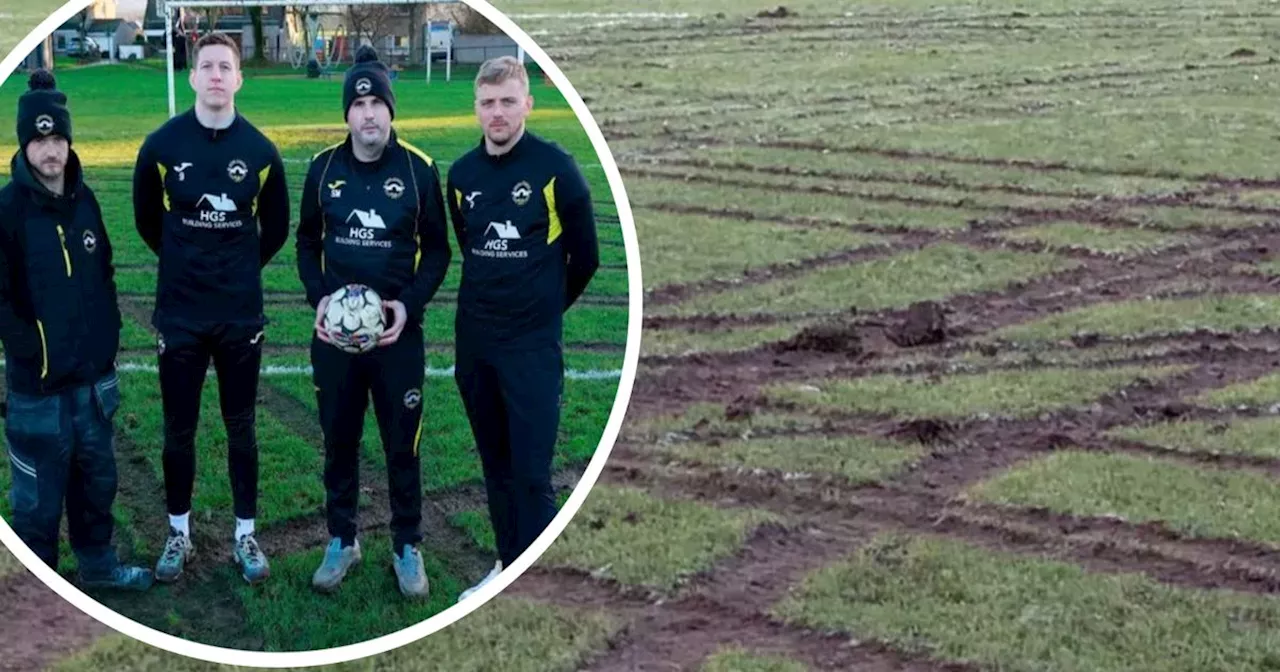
(60, 323)
(372, 214)
(210, 199)
(522, 215)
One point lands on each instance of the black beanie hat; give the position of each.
(368, 77)
(42, 110)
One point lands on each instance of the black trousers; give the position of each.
(393, 376)
(512, 400)
(184, 361)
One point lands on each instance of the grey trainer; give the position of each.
(337, 561)
(178, 549)
(410, 573)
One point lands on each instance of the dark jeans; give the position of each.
(393, 376)
(512, 399)
(62, 451)
(184, 362)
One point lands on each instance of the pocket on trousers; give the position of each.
(31, 427)
(33, 417)
(106, 396)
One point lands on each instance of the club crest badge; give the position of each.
(237, 170)
(393, 187)
(521, 193)
(412, 398)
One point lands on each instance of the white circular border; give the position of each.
(413, 633)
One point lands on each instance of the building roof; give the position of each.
(96, 25)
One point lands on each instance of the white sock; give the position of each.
(243, 527)
(180, 523)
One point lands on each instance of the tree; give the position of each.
(471, 22)
(371, 21)
(83, 20)
(212, 14)
(255, 16)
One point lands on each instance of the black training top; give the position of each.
(214, 205)
(59, 317)
(380, 224)
(525, 226)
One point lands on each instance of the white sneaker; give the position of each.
(493, 574)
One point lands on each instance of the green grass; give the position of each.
(871, 190)
(449, 457)
(1197, 501)
(959, 174)
(476, 524)
(136, 336)
(736, 659)
(290, 468)
(1142, 317)
(710, 418)
(637, 539)
(677, 341)
(1177, 218)
(647, 191)
(512, 635)
(1113, 132)
(740, 245)
(951, 601)
(932, 273)
(855, 458)
(1002, 393)
(1049, 356)
(1243, 436)
(22, 19)
(1071, 236)
(1262, 391)
(506, 634)
(1269, 268)
(8, 563)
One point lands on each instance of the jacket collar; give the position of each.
(25, 178)
(517, 150)
(388, 154)
(215, 133)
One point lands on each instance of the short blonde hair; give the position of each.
(498, 70)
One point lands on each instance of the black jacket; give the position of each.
(214, 205)
(59, 316)
(380, 224)
(525, 226)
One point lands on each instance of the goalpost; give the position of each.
(170, 6)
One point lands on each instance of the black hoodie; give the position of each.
(59, 315)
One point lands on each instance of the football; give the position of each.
(355, 319)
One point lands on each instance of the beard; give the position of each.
(503, 136)
(51, 170)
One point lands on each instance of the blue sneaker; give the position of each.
(410, 574)
(122, 578)
(252, 561)
(337, 561)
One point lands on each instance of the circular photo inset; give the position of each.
(319, 321)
